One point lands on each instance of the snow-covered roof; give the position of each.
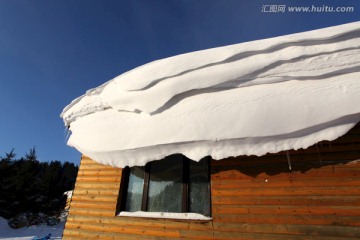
(251, 98)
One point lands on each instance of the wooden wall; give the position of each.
(252, 198)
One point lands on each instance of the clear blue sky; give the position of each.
(52, 51)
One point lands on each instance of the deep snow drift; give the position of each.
(252, 98)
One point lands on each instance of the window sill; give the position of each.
(183, 216)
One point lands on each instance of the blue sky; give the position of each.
(52, 51)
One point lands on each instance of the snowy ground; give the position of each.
(29, 233)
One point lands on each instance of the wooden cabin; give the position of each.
(304, 194)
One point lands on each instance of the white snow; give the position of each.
(188, 216)
(28, 233)
(252, 98)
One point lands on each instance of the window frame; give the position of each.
(124, 184)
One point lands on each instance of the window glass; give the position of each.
(175, 184)
(199, 194)
(165, 186)
(135, 189)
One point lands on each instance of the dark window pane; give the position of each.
(135, 189)
(165, 187)
(199, 187)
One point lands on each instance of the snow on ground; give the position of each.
(29, 233)
(252, 98)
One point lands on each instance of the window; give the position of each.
(175, 184)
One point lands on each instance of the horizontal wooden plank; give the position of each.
(286, 209)
(304, 159)
(278, 168)
(94, 205)
(98, 173)
(119, 221)
(93, 198)
(99, 167)
(107, 192)
(97, 179)
(273, 182)
(85, 234)
(89, 164)
(143, 231)
(91, 212)
(193, 234)
(269, 218)
(261, 236)
(87, 161)
(266, 236)
(98, 185)
(306, 164)
(288, 200)
(288, 191)
(264, 173)
(297, 229)
(336, 154)
(81, 234)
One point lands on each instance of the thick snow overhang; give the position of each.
(252, 98)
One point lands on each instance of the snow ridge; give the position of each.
(245, 99)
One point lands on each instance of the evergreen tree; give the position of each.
(31, 156)
(10, 156)
(27, 185)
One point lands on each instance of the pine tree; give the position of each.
(27, 185)
(31, 156)
(9, 156)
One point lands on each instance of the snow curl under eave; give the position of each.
(252, 98)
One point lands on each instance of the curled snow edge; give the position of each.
(251, 98)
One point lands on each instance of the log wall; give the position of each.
(252, 198)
